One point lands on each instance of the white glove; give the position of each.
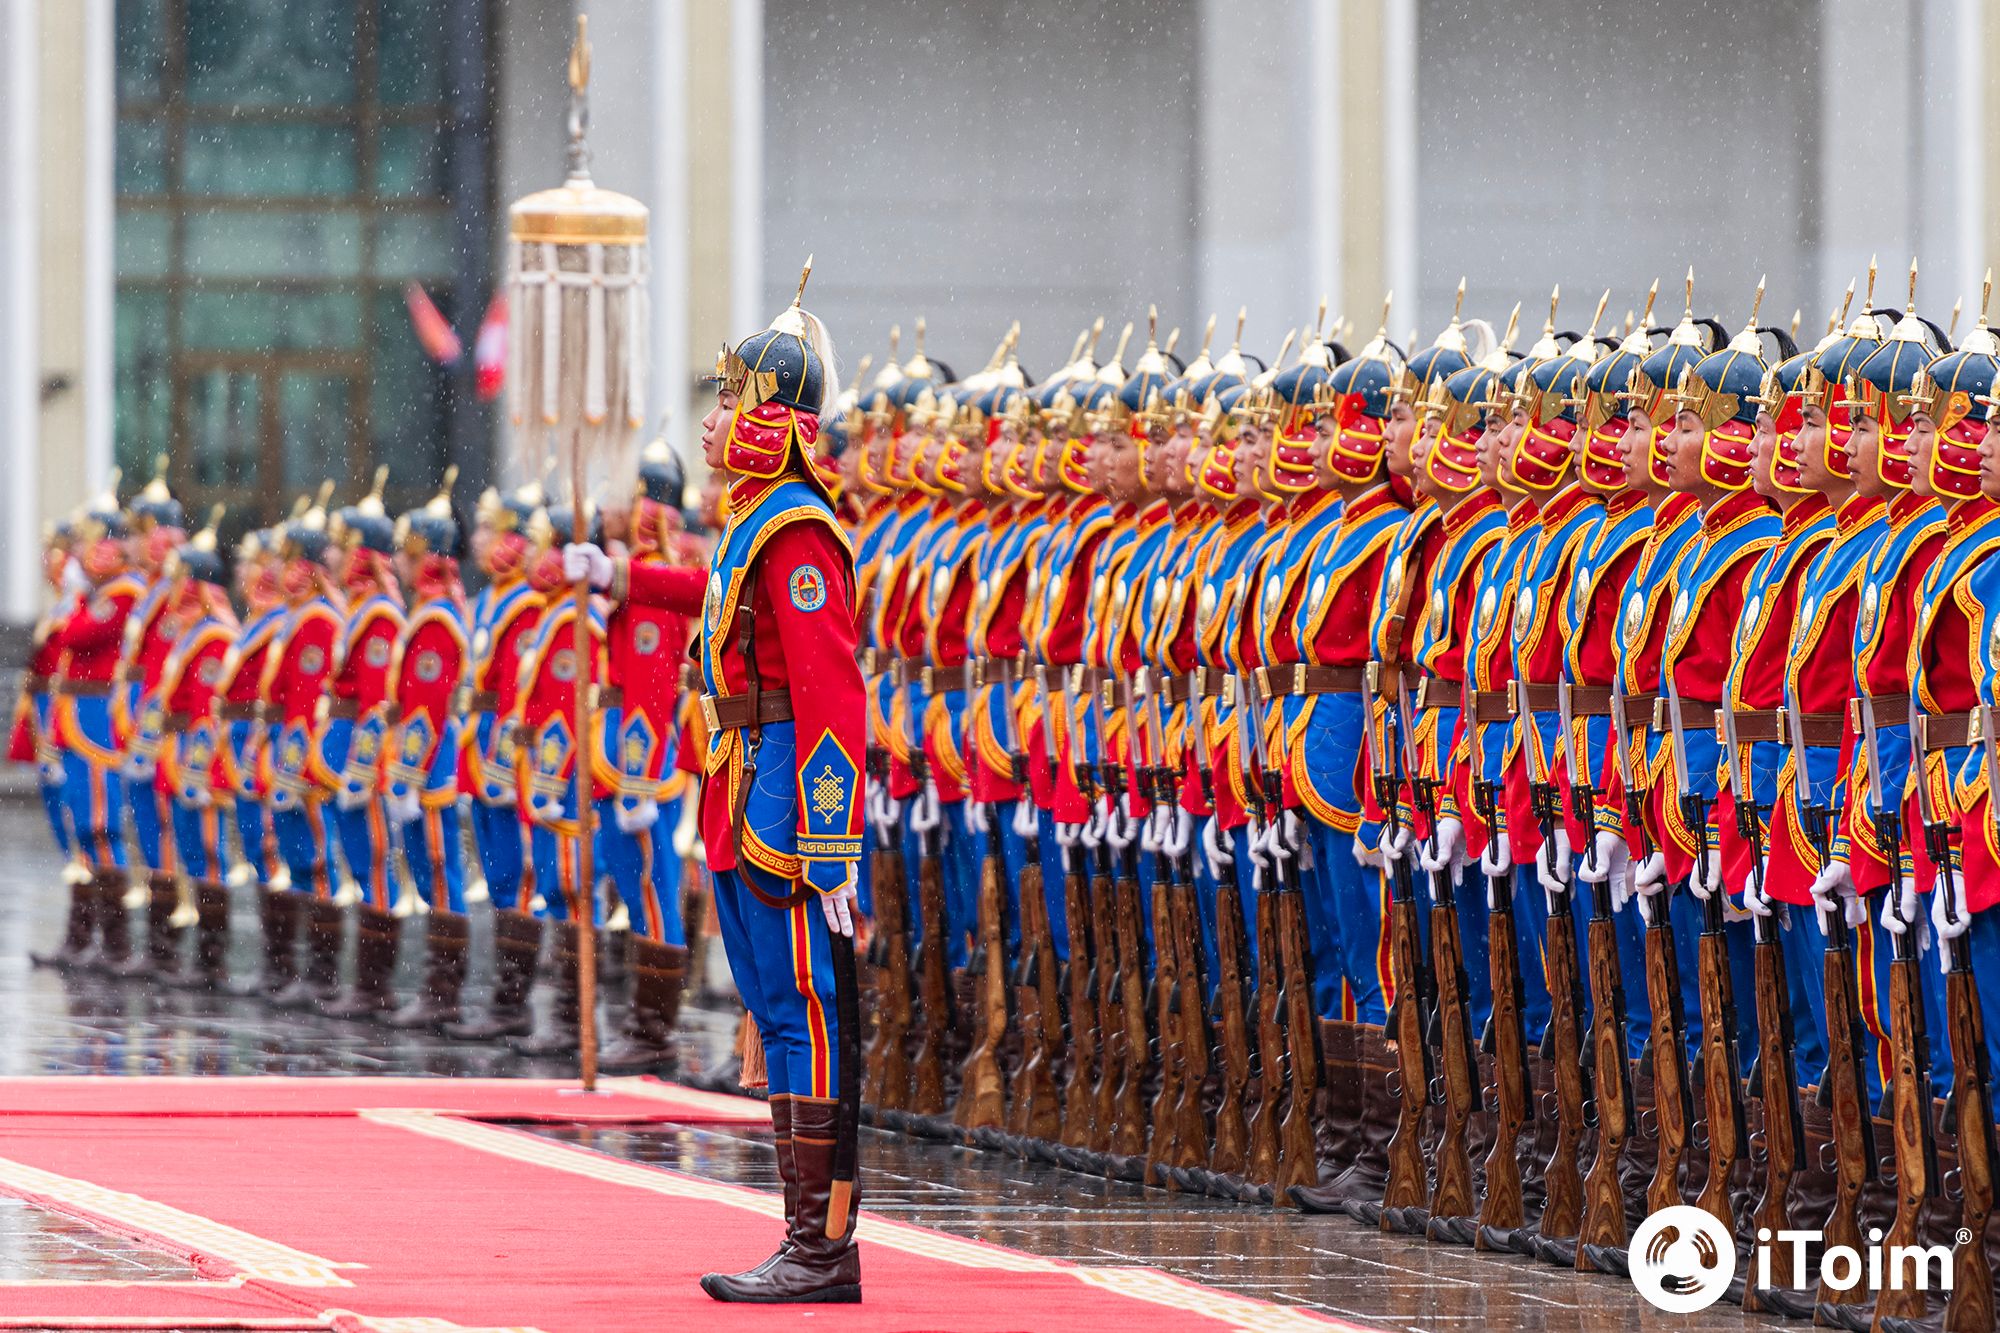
(1395, 845)
(638, 817)
(1446, 851)
(975, 817)
(75, 583)
(1498, 858)
(1365, 856)
(1706, 877)
(405, 809)
(1552, 862)
(1950, 891)
(1755, 901)
(1595, 867)
(1177, 830)
(351, 798)
(838, 908)
(586, 560)
(1216, 848)
(1026, 823)
(1899, 906)
(1649, 879)
(687, 833)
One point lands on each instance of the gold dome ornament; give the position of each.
(577, 273)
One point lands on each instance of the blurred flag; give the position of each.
(489, 352)
(434, 331)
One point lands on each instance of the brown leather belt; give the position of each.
(273, 713)
(35, 685)
(1696, 715)
(731, 712)
(1434, 691)
(1490, 706)
(1944, 731)
(482, 701)
(1280, 681)
(1590, 701)
(342, 710)
(1890, 710)
(83, 689)
(241, 712)
(1388, 673)
(611, 696)
(1639, 708)
(1530, 698)
(176, 723)
(1178, 688)
(1828, 729)
(1753, 725)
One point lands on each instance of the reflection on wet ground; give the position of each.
(92, 1024)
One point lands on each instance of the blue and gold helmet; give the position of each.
(783, 379)
(1956, 392)
(1363, 393)
(155, 505)
(103, 517)
(1881, 387)
(1725, 391)
(1448, 354)
(1661, 373)
(365, 524)
(305, 537)
(1606, 414)
(197, 559)
(431, 528)
(1552, 394)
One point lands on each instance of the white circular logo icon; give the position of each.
(1682, 1259)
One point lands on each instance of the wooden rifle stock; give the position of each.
(1847, 1101)
(1406, 1180)
(1722, 1089)
(1079, 1110)
(1909, 1099)
(1503, 1207)
(1262, 1166)
(1673, 1098)
(1172, 1054)
(1970, 1307)
(1562, 1214)
(1604, 1201)
(1232, 1134)
(1035, 1112)
(1298, 1155)
(1110, 995)
(1452, 1194)
(892, 920)
(933, 986)
(1784, 1126)
(1191, 1028)
(982, 1091)
(1129, 1128)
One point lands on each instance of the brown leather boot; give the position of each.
(78, 929)
(814, 1266)
(1338, 1136)
(646, 1040)
(788, 1175)
(558, 1035)
(279, 912)
(436, 1002)
(1367, 1174)
(114, 928)
(208, 964)
(162, 954)
(374, 961)
(517, 939)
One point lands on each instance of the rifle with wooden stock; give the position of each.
(931, 966)
(1777, 1070)
(982, 1087)
(1970, 1307)
(1407, 1025)
(1722, 1089)
(1503, 1208)
(1909, 1042)
(1562, 1210)
(1079, 1118)
(1035, 1112)
(1180, 1132)
(1229, 1154)
(1603, 1223)
(1844, 1087)
(1458, 1082)
(1128, 1042)
(1298, 1155)
(1673, 1095)
(885, 1061)
(1262, 1164)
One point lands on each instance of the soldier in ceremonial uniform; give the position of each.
(503, 619)
(423, 748)
(32, 739)
(640, 734)
(84, 725)
(778, 612)
(299, 666)
(240, 772)
(190, 683)
(140, 714)
(350, 744)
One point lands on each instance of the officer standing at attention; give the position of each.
(777, 608)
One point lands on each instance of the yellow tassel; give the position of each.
(750, 1049)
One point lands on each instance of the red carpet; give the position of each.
(362, 1204)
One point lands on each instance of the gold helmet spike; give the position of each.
(1686, 333)
(1112, 372)
(371, 503)
(1910, 306)
(156, 488)
(205, 539)
(1979, 338)
(1173, 340)
(1652, 295)
(1319, 320)
(1909, 328)
(1242, 314)
(791, 319)
(1746, 339)
(107, 499)
(918, 366)
(1545, 346)
(315, 517)
(1207, 337)
(299, 507)
(439, 505)
(1798, 317)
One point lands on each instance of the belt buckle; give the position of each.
(708, 715)
(1298, 678)
(1513, 699)
(1854, 715)
(1660, 714)
(1263, 675)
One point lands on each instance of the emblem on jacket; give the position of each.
(808, 588)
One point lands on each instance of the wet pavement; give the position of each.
(91, 1024)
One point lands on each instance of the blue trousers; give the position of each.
(1357, 898)
(250, 830)
(1053, 872)
(151, 827)
(498, 837)
(782, 959)
(96, 798)
(963, 854)
(558, 860)
(433, 851)
(647, 873)
(199, 843)
(53, 806)
(305, 841)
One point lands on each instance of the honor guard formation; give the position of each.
(1489, 794)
